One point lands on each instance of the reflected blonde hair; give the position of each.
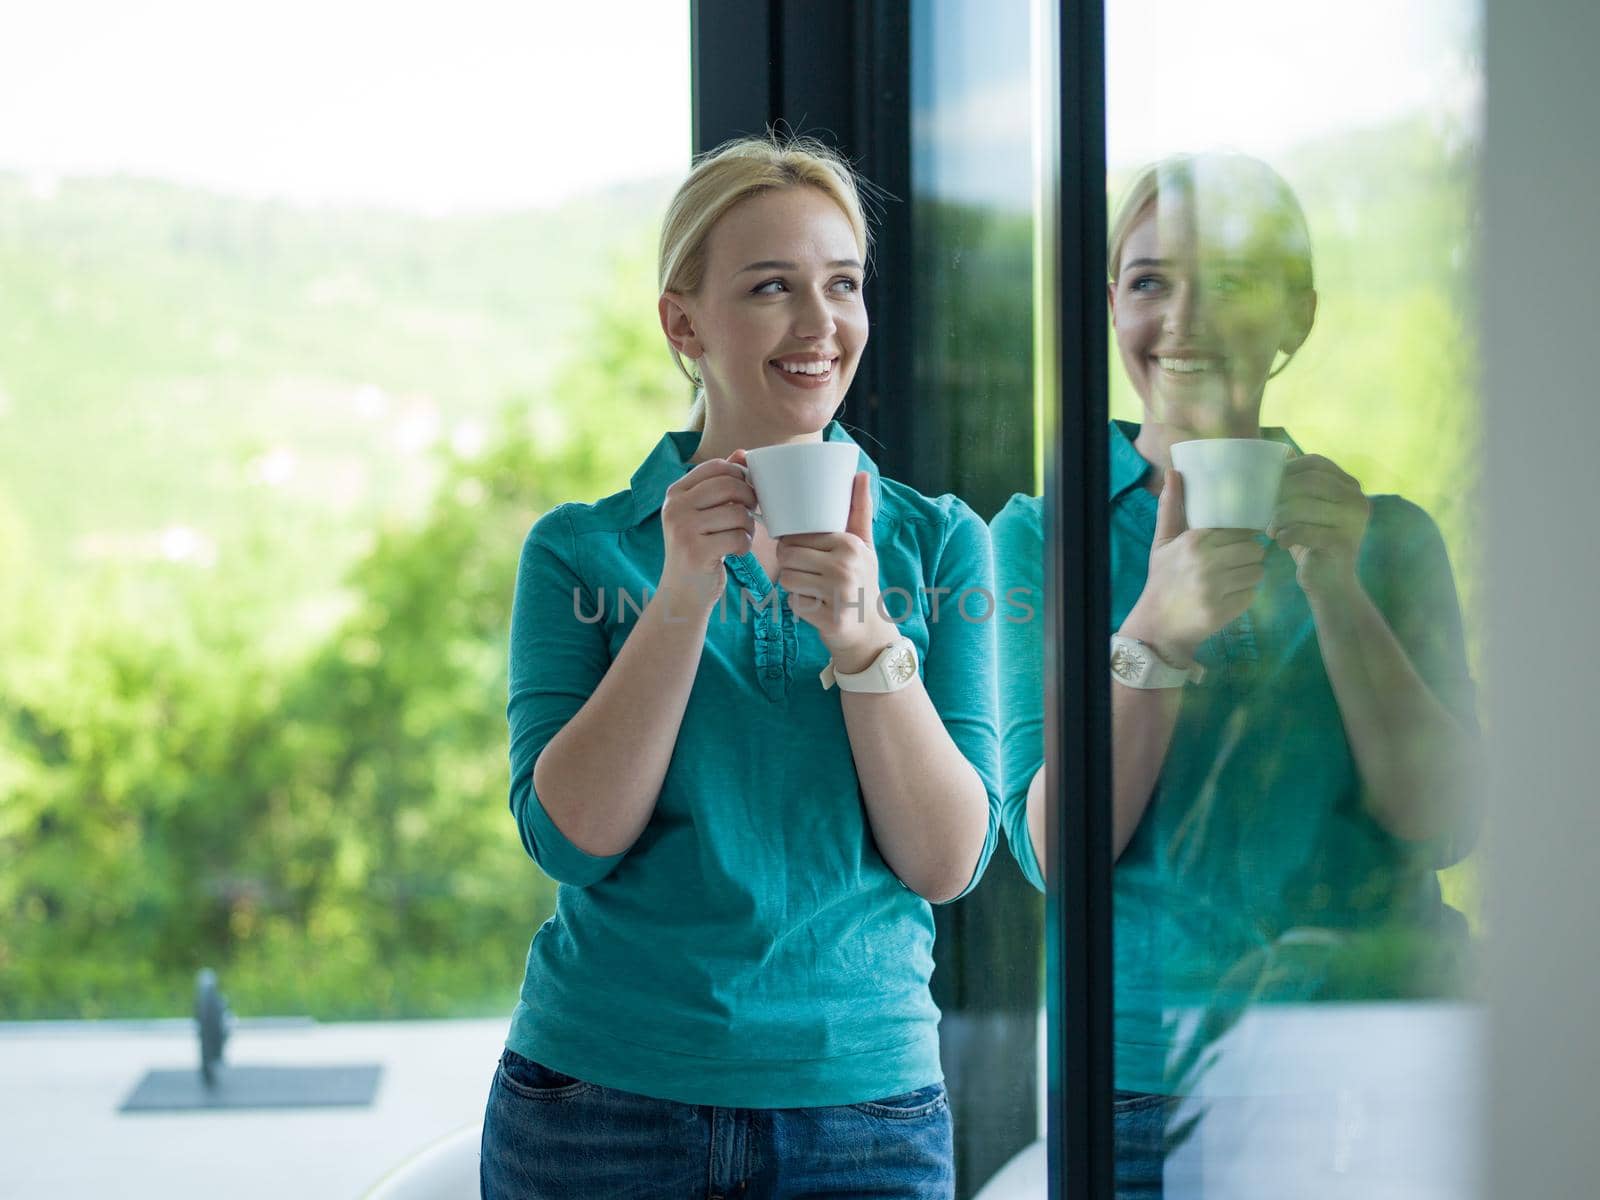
(733, 172)
(1240, 184)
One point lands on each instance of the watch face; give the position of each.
(900, 666)
(1127, 663)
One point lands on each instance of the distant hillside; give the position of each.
(173, 360)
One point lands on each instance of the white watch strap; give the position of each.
(1137, 665)
(893, 668)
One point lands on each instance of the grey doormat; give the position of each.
(256, 1087)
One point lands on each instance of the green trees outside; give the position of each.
(327, 826)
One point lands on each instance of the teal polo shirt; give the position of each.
(1256, 825)
(752, 948)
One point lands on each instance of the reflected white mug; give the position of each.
(1230, 483)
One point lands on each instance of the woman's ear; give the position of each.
(1302, 315)
(678, 325)
(1111, 300)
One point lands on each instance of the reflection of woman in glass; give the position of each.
(734, 986)
(1301, 752)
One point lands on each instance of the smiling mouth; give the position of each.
(1188, 364)
(809, 373)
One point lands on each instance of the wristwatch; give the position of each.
(895, 666)
(1138, 666)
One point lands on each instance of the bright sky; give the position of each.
(445, 107)
(486, 104)
(1252, 75)
(1260, 75)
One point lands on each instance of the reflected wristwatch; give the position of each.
(1137, 665)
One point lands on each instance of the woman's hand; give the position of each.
(1199, 580)
(706, 516)
(1320, 519)
(832, 579)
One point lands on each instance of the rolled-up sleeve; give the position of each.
(960, 670)
(557, 661)
(1018, 543)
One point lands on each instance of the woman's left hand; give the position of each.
(1320, 519)
(832, 579)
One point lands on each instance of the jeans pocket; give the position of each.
(535, 1081)
(1132, 1102)
(907, 1106)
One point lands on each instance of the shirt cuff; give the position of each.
(556, 854)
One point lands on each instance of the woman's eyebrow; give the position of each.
(1144, 262)
(774, 265)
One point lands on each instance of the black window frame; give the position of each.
(1077, 582)
(841, 70)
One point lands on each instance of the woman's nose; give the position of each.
(813, 317)
(1184, 311)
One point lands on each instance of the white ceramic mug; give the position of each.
(803, 487)
(1230, 483)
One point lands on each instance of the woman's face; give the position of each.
(1200, 319)
(778, 323)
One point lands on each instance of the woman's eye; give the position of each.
(847, 284)
(770, 288)
(1233, 285)
(1145, 283)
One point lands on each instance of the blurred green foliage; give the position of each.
(328, 826)
(973, 427)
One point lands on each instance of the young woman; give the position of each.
(732, 996)
(1326, 763)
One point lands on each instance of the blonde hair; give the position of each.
(1241, 193)
(1233, 183)
(722, 178)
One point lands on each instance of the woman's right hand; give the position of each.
(1199, 580)
(706, 516)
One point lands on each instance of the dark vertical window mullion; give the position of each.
(733, 80)
(775, 59)
(1078, 716)
(882, 135)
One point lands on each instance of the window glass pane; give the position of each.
(971, 211)
(1297, 759)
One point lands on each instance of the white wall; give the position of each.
(1541, 296)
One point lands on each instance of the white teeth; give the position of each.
(1188, 366)
(807, 368)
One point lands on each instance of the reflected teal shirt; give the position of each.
(1256, 825)
(752, 948)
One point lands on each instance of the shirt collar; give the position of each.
(1129, 467)
(669, 462)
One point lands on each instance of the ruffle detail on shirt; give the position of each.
(776, 646)
(791, 639)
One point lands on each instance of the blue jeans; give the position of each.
(1140, 1122)
(548, 1136)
